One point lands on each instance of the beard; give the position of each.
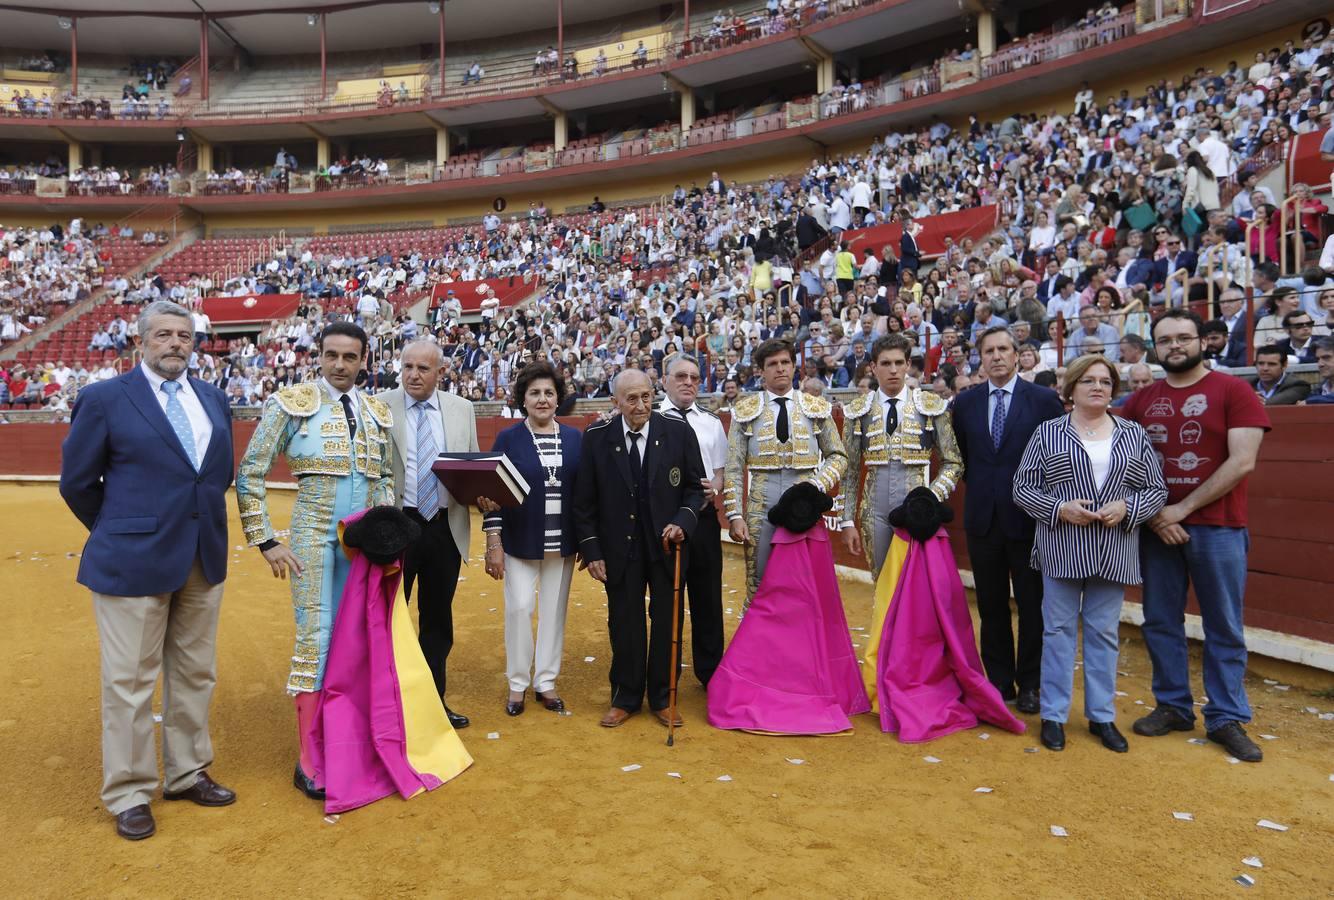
(1184, 365)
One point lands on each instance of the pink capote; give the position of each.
(360, 741)
(929, 677)
(791, 668)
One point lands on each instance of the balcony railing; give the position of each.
(662, 139)
(511, 74)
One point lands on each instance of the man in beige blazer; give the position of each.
(428, 422)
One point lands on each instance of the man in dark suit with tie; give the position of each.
(993, 423)
(145, 467)
(1175, 260)
(910, 257)
(638, 489)
(1047, 286)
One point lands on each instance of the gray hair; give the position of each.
(160, 308)
(682, 358)
(426, 342)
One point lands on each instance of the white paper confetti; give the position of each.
(633, 767)
(724, 777)
(673, 774)
(1232, 760)
(1253, 862)
(982, 790)
(493, 735)
(1327, 717)
(1122, 694)
(930, 759)
(1312, 710)
(1269, 737)
(984, 736)
(1139, 702)
(1270, 681)
(1272, 826)
(1030, 749)
(1282, 687)
(1059, 831)
(795, 762)
(492, 609)
(589, 658)
(157, 717)
(1184, 816)
(1200, 742)
(733, 591)
(331, 820)
(1245, 880)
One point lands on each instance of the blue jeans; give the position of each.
(1064, 602)
(1214, 561)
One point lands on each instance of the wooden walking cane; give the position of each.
(676, 649)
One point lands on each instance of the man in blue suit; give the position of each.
(993, 422)
(145, 467)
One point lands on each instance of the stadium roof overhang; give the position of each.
(280, 26)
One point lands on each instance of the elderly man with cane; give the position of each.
(638, 492)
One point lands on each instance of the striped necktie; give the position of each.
(428, 486)
(180, 422)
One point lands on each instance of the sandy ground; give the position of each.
(548, 811)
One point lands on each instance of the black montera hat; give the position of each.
(921, 514)
(383, 533)
(800, 507)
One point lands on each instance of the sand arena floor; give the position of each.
(548, 811)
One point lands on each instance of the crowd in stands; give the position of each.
(1107, 214)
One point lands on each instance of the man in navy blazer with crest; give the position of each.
(145, 467)
(638, 486)
(993, 422)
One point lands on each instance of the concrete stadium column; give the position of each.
(441, 145)
(203, 153)
(986, 33)
(687, 94)
(562, 122)
(322, 152)
(824, 65)
(824, 75)
(75, 154)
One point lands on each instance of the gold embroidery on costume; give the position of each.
(924, 425)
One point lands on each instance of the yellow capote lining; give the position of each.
(884, 595)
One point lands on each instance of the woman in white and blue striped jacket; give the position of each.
(1090, 480)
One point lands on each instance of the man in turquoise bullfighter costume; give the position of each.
(336, 441)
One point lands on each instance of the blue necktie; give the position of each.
(180, 422)
(428, 486)
(998, 419)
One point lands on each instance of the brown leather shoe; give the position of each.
(664, 717)
(205, 792)
(615, 717)
(136, 823)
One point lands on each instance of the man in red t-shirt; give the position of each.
(1206, 429)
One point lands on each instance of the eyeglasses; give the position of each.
(1178, 342)
(1301, 324)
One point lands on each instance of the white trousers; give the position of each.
(541, 586)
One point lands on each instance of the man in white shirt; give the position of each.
(704, 568)
(1215, 152)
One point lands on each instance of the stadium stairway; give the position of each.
(66, 336)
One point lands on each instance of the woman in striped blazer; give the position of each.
(1090, 480)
